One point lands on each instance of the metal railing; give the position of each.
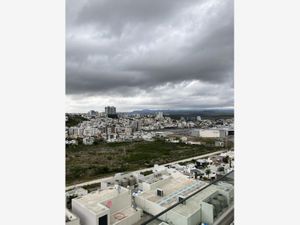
(156, 217)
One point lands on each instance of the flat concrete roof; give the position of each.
(178, 185)
(122, 214)
(193, 203)
(93, 200)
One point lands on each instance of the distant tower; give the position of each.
(92, 113)
(160, 115)
(110, 110)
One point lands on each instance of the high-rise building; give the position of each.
(160, 115)
(110, 110)
(92, 113)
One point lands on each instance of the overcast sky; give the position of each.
(149, 54)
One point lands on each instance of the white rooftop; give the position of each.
(93, 200)
(193, 203)
(177, 185)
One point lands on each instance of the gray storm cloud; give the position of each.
(134, 48)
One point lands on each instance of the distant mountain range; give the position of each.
(207, 112)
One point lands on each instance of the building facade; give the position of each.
(110, 110)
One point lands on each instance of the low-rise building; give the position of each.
(109, 206)
(209, 133)
(202, 207)
(163, 192)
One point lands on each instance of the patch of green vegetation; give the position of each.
(86, 162)
(92, 187)
(147, 172)
(74, 120)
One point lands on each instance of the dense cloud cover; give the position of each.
(137, 54)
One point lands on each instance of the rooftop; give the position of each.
(150, 179)
(192, 204)
(122, 214)
(93, 200)
(178, 185)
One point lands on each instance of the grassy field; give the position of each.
(103, 159)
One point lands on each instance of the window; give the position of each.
(102, 220)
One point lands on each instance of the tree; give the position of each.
(226, 159)
(208, 172)
(221, 169)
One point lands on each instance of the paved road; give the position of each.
(108, 178)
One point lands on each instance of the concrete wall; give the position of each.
(195, 218)
(147, 186)
(223, 133)
(207, 213)
(210, 133)
(148, 206)
(86, 216)
(73, 222)
(175, 218)
(229, 195)
(75, 219)
(179, 219)
(171, 216)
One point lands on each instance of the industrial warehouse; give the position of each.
(188, 198)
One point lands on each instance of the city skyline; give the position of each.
(151, 111)
(175, 55)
